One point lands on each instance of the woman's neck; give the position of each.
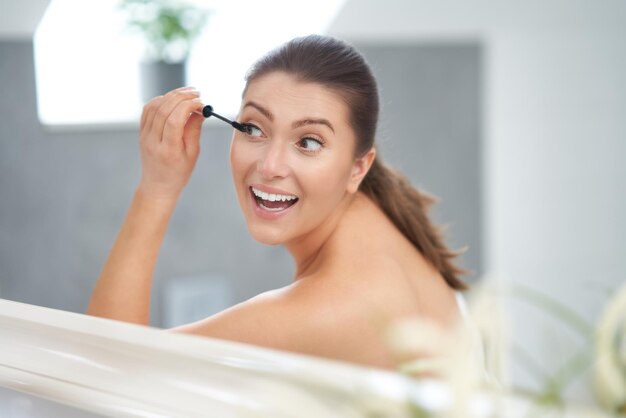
(308, 250)
(313, 251)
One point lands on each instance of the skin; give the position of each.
(355, 271)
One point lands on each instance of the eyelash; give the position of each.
(318, 140)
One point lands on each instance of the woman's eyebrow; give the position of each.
(296, 124)
(312, 121)
(261, 109)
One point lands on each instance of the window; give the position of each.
(87, 64)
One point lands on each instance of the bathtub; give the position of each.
(61, 364)
(116, 369)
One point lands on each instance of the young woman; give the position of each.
(308, 177)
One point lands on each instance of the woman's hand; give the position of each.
(169, 142)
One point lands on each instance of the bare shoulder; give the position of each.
(347, 318)
(286, 318)
(267, 320)
(316, 316)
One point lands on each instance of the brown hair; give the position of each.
(340, 67)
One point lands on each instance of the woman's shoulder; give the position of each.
(261, 320)
(310, 317)
(373, 290)
(346, 321)
(337, 314)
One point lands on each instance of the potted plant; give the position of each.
(169, 28)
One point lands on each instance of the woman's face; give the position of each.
(300, 148)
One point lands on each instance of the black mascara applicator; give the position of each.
(207, 112)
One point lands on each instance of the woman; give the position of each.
(307, 176)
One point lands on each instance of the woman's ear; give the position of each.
(360, 168)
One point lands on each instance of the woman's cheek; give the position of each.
(238, 166)
(239, 157)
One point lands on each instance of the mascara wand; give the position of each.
(207, 112)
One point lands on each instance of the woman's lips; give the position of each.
(268, 212)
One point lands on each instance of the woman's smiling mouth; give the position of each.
(271, 205)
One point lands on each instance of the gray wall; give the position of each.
(430, 130)
(64, 194)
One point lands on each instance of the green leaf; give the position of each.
(166, 25)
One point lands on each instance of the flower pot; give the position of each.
(159, 77)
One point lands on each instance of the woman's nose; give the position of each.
(273, 162)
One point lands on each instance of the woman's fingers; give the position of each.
(147, 116)
(169, 143)
(175, 125)
(191, 134)
(165, 107)
(150, 110)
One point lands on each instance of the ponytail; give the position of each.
(407, 208)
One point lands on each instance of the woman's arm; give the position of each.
(123, 289)
(170, 144)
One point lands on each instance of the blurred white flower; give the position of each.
(610, 351)
(491, 324)
(454, 356)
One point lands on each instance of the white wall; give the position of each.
(555, 143)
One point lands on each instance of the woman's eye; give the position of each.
(311, 144)
(253, 130)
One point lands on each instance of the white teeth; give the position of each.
(272, 197)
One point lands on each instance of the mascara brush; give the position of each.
(207, 112)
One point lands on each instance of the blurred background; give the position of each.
(512, 113)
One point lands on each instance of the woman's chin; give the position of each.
(266, 237)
